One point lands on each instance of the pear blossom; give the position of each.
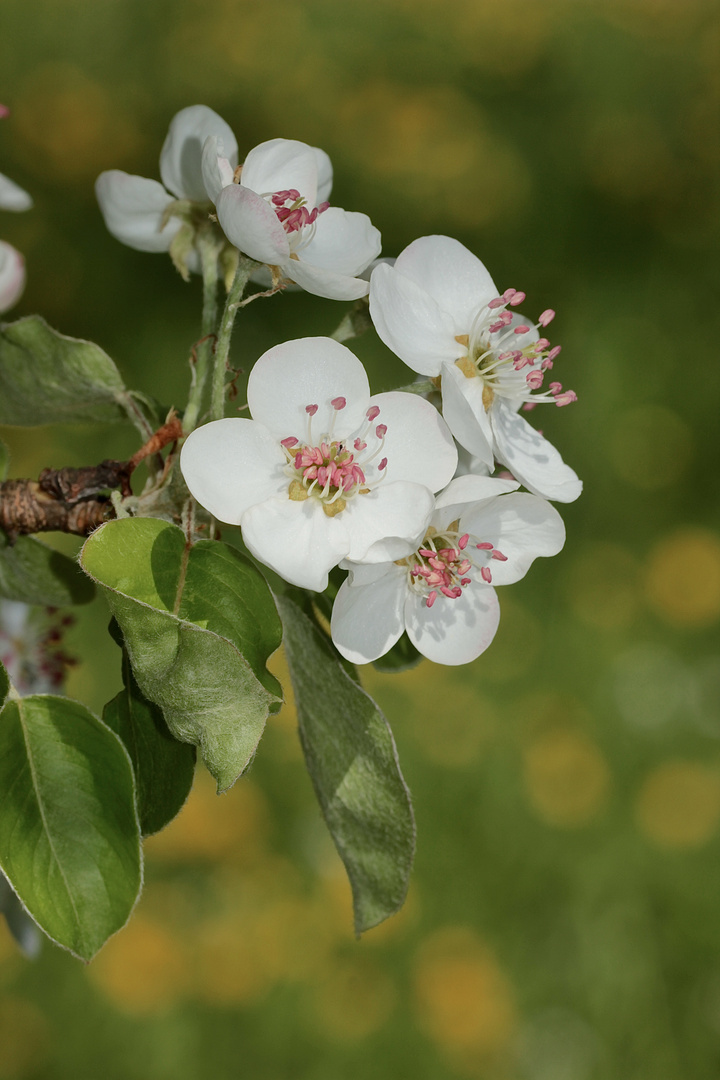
(439, 310)
(323, 471)
(12, 275)
(12, 264)
(138, 211)
(275, 209)
(482, 533)
(31, 648)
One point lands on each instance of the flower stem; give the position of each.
(424, 386)
(354, 323)
(209, 251)
(222, 346)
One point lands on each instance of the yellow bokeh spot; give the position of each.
(566, 777)
(24, 1038)
(650, 447)
(230, 827)
(682, 582)
(69, 125)
(678, 805)
(602, 586)
(353, 999)
(463, 999)
(142, 969)
(419, 141)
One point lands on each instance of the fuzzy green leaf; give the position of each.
(164, 767)
(37, 574)
(69, 834)
(199, 624)
(352, 760)
(48, 378)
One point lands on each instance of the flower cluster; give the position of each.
(31, 647)
(325, 474)
(12, 264)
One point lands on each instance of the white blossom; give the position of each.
(12, 275)
(275, 209)
(137, 211)
(323, 471)
(439, 310)
(482, 533)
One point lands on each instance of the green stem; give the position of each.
(209, 250)
(222, 346)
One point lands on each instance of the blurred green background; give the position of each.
(563, 920)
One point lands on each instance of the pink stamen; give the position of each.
(517, 298)
(555, 387)
(381, 430)
(338, 403)
(372, 412)
(508, 295)
(290, 441)
(529, 406)
(359, 445)
(463, 541)
(485, 546)
(566, 399)
(547, 317)
(521, 329)
(383, 464)
(499, 555)
(499, 301)
(431, 598)
(534, 379)
(554, 352)
(311, 409)
(4, 112)
(485, 574)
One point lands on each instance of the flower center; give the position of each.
(495, 354)
(335, 470)
(443, 564)
(291, 209)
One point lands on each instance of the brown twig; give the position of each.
(70, 500)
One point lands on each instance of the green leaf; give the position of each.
(352, 760)
(69, 835)
(402, 657)
(199, 624)
(37, 574)
(164, 767)
(47, 378)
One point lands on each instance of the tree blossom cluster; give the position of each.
(394, 489)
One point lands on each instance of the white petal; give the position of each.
(363, 573)
(453, 631)
(308, 371)
(282, 165)
(367, 621)
(465, 491)
(387, 523)
(418, 443)
(465, 414)
(452, 275)
(181, 155)
(12, 196)
(410, 322)
(229, 465)
(252, 225)
(521, 526)
(341, 241)
(216, 168)
(327, 283)
(12, 276)
(531, 458)
(133, 209)
(297, 539)
(324, 174)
